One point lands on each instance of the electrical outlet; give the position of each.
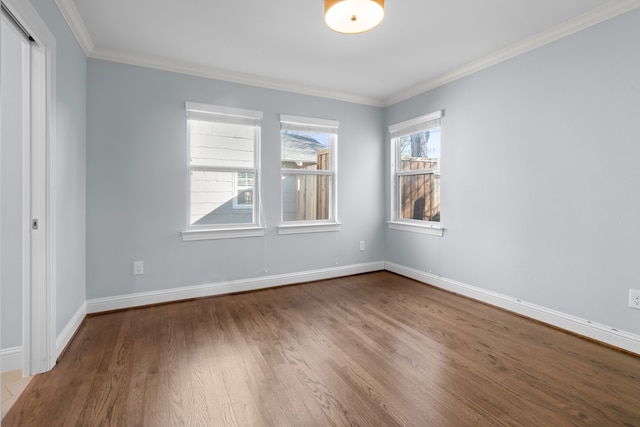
(362, 245)
(138, 268)
(634, 299)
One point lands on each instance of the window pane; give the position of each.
(420, 150)
(305, 197)
(305, 150)
(221, 144)
(216, 198)
(244, 190)
(420, 197)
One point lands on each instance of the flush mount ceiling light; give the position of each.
(353, 16)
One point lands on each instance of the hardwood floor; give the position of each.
(375, 349)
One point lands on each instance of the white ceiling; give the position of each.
(285, 44)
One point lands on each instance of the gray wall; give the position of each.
(137, 184)
(70, 158)
(11, 191)
(540, 176)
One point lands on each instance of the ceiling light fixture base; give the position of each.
(353, 16)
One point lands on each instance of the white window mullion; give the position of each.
(418, 172)
(221, 169)
(306, 172)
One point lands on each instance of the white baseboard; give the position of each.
(11, 359)
(72, 326)
(98, 305)
(586, 328)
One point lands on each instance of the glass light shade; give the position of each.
(353, 16)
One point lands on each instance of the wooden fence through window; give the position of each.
(420, 194)
(312, 201)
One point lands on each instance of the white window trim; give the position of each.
(415, 227)
(414, 125)
(222, 233)
(312, 124)
(397, 130)
(220, 110)
(300, 227)
(228, 231)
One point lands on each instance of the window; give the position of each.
(308, 162)
(415, 169)
(243, 191)
(224, 148)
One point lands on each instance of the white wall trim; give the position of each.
(76, 24)
(39, 302)
(584, 327)
(98, 305)
(70, 329)
(80, 32)
(11, 359)
(586, 20)
(226, 75)
(221, 233)
(308, 227)
(430, 228)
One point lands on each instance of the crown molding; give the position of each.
(79, 30)
(586, 20)
(76, 24)
(226, 75)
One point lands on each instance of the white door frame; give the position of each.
(39, 281)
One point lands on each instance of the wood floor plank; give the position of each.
(375, 349)
(265, 374)
(403, 364)
(418, 358)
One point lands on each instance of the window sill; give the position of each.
(429, 229)
(221, 233)
(308, 228)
